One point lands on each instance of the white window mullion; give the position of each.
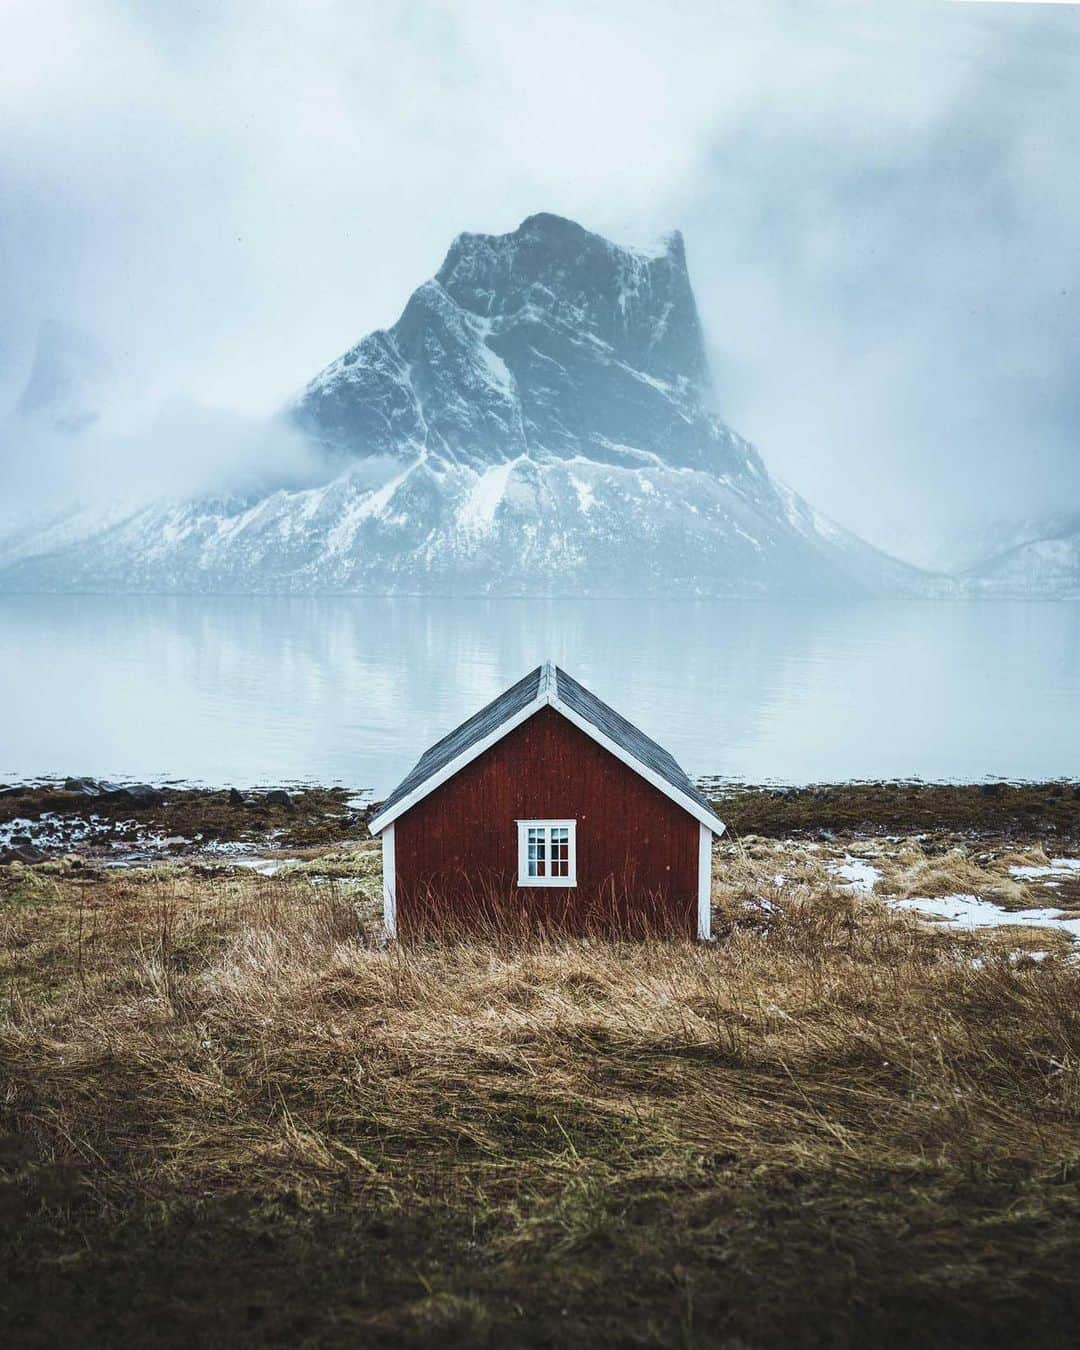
(547, 852)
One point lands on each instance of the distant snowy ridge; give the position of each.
(537, 422)
(1044, 562)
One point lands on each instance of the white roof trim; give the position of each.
(547, 697)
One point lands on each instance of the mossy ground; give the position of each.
(1016, 810)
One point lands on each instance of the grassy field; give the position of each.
(231, 1116)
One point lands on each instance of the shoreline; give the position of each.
(142, 823)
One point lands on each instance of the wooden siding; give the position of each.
(637, 851)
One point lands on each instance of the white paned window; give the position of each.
(547, 852)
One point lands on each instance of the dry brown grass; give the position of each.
(831, 1123)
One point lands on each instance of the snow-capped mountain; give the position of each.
(538, 421)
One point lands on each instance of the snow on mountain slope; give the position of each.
(537, 422)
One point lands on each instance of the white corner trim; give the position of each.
(704, 884)
(547, 697)
(389, 871)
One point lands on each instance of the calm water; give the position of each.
(242, 690)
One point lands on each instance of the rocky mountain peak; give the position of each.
(544, 343)
(639, 304)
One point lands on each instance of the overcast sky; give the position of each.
(881, 205)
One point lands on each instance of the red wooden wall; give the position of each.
(637, 851)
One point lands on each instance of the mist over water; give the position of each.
(351, 690)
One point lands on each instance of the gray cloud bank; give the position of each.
(881, 205)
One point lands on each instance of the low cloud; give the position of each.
(183, 451)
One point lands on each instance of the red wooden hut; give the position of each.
(547, 805)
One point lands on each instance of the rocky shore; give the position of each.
(135, 823)
(121, 824)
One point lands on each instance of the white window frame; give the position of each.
(523, 852)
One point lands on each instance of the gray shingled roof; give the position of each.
(545, 682)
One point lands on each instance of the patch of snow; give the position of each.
(978, 962)
(749, 537)
(20, 825)
(230, 848)
(645, 244)
(1057, 867)
(663, 386)
(762, 902)
(968, 911)
(648, 458)
(585, 495)
(242, 853)
(660, 324)
(494, 369)
(477, 512)
(266, 867)
(51, 831)
(859, 874)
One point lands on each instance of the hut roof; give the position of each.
(545, 687)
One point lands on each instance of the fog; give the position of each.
(880, 203)
(183, 450)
